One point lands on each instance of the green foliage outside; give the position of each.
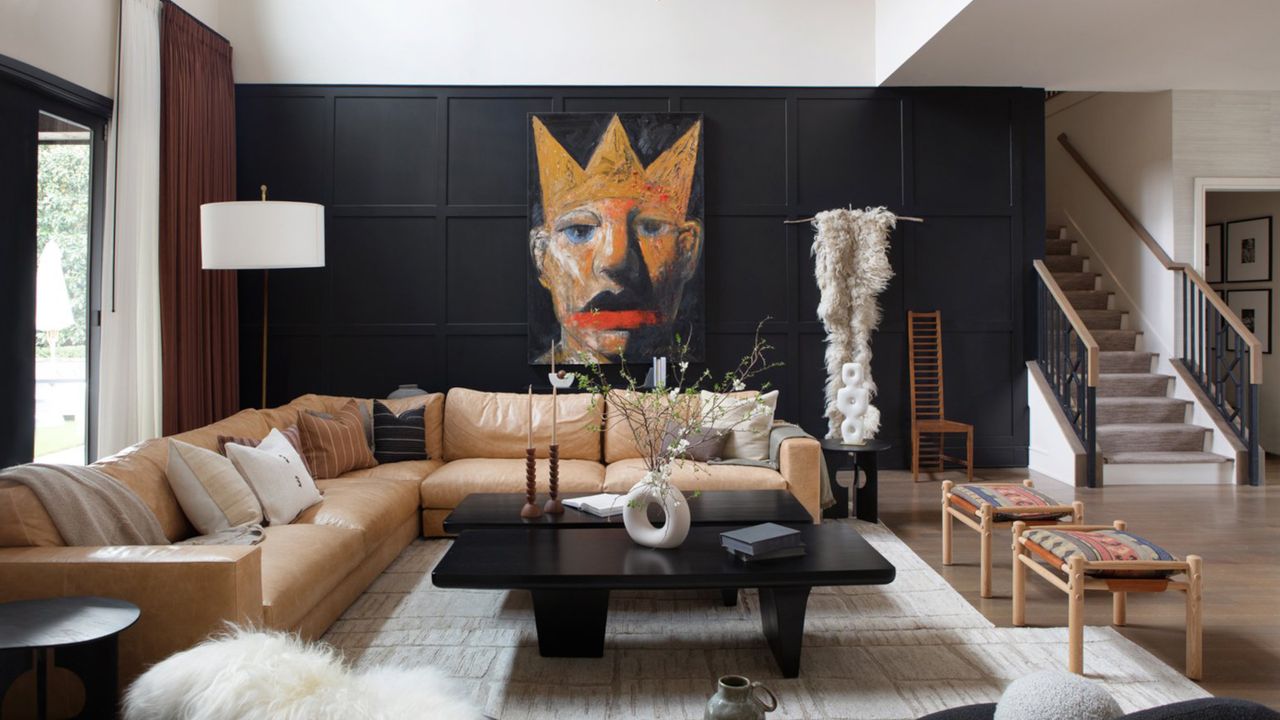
(63, 215)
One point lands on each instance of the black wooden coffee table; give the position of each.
(495, 511)
(570, 575)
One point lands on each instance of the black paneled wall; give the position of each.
(427, 251)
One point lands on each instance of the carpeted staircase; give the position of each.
(1140, 424)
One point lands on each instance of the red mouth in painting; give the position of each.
(614, 319)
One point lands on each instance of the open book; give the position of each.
(601, 505)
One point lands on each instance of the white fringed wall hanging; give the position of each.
(851, 265)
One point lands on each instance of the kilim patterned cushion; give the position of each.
(1100, 545)
(335, 446)
(971, 497)
(399, 437)
(290, 433)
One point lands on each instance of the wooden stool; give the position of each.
(1103, 557)
(983, 506)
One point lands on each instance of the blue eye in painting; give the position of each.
(579, 233)
(649, 228)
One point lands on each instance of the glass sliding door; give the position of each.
(64, 200)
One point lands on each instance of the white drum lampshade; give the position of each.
(261, 235)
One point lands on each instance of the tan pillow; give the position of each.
(210, 490)
(749, 438)
(335, 446)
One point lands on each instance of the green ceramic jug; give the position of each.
(736, 699)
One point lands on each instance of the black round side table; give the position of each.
(857, 458)
(80, 632)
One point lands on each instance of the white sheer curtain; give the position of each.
(129, 381)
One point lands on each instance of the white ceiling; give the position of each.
(1103, 45)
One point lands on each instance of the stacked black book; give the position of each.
(768, 541)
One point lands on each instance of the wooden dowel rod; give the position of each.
(908, 218)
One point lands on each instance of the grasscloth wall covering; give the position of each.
(427, 234)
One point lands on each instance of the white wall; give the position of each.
(74, 39)
(1128, 139)
(1226, 206)
(904, 26)
(562, 42)
(1219, 134)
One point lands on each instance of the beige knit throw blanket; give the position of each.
(89, 507)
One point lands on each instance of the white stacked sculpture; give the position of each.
(854, 402)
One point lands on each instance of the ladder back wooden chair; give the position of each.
(929, 424)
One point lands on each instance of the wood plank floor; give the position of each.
(1235, 529)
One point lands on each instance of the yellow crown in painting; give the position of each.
(615, 171)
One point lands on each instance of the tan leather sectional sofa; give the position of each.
(303, 575)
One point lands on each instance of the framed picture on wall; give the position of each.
(1248, 250)
(1254, 309)
(1213, 253)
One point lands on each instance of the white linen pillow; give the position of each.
(210, 490)
(278, 477)
(748, 438)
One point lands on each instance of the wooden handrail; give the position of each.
(1077, 323)
(1114, 199)
(1255, 345)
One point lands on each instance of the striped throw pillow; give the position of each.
(333, 446)
(399, 437)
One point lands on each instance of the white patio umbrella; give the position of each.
(53, 302)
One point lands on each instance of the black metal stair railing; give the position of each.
(1068, 357)
(1225, 360)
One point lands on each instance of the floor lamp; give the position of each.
(261, 235)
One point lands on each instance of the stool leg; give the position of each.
(1118, 605)
(1019, 577)
(915, 455)
(985, 574)
(946, 521)
(1195, 628)
(1077, 512)
(1075, 615)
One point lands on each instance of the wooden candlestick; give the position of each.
(553, 506)
(530, 510)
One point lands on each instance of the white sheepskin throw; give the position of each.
(851, 265)
(271, 675)
(1056, 695)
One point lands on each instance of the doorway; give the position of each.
(1237, 256)
(52, 156)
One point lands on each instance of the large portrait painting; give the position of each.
(616, 236)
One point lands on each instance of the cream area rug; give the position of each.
(893, 651)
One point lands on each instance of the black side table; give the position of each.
(857, 458)
(80, 632)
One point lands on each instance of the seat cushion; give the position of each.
(446, 487)
(415, 470)
(971, 497)
(688, 475)
(373, 506)
(1094, 545)
(301, 564)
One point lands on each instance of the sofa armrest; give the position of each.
(185, 592)
(800, 462)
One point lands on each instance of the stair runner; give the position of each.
(1138, 420)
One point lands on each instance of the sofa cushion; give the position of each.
(301, 564)
(495, 425)
(278, 477)
(23, 520)
(688, 475)
(446, 487)
(336, 444)
(372, 506)
(619, 439)
(433, 417)
(141, 468)
(398, 437)
(212, 493)
(414, 471)
(246, 423)
(747, 420)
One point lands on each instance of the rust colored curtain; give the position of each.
(198, 314)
